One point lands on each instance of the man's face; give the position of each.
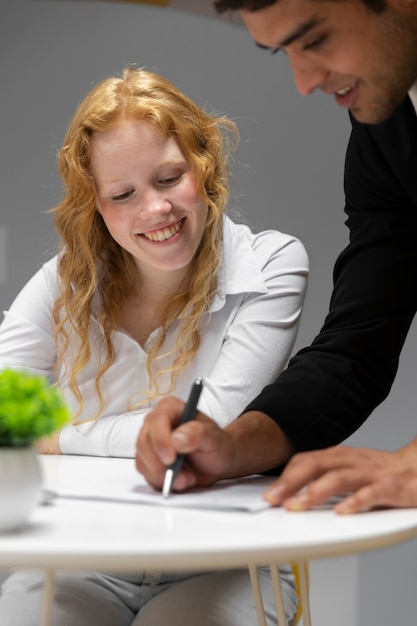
(366, 60)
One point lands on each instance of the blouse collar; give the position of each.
(240, 270)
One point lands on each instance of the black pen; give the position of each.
(190, 411)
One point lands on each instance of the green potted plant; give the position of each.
(30, 408)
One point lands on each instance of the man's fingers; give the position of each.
(148, 463)
(331, 483)
(202, 435)
(154, 447)
(396, 489)
(160, 424)
(161, 440)
(302, 469)
(374, 478)
(312, 478)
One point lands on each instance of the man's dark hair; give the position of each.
(250, 5)
(221, 6)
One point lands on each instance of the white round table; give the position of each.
(82, 533)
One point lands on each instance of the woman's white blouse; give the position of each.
(247, 339)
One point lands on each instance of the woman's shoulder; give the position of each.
(50, 271)
(264, 243)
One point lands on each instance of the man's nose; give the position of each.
(308, 75)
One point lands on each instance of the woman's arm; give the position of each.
(260, 332)
(26, 333)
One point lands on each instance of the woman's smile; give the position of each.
(165, 233)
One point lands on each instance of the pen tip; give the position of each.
(166, 489)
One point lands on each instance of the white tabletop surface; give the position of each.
(71, 533)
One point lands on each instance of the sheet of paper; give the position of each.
(240, 495)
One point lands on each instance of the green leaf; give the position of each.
(30, 408)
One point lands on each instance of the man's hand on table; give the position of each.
(371, 478)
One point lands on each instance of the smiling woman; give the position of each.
(152, 286)
(149, 199)
(157, 161)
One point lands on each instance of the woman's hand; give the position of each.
(48, 445)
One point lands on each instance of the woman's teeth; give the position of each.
(164, 233)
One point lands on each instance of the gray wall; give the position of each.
(288, 176)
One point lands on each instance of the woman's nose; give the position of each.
(155, 203)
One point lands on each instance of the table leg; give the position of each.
(279, 600)
(256, 588)
(48, 597)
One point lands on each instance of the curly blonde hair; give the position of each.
(90, 260)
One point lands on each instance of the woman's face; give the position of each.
(147, 196)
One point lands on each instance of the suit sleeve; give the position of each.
(331, 387)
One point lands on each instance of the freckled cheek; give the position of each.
(186, 195)
(116, 226)
(187, 192)
(199, 213)
(192, 201)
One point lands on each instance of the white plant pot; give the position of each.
(20, 485)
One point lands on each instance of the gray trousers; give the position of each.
(221, 598)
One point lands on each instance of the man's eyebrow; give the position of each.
(299, 32)
(272, 50)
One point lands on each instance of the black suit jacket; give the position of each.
(332, 386)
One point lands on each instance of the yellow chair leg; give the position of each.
(302, 583)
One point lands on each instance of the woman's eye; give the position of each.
(170, 180)
(122, 196)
